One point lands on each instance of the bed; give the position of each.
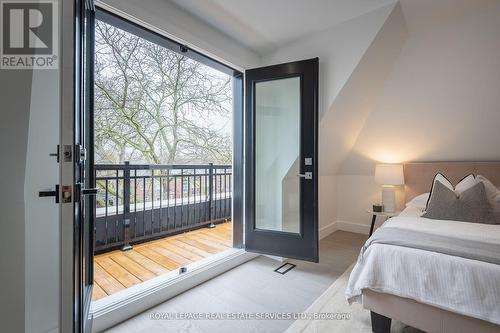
(431, 291)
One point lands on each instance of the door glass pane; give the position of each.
(277, 152)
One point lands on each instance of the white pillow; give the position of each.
(420, 201)
(440, 178)
(492, 193)
(465, 184)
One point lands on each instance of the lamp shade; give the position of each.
(389, 174)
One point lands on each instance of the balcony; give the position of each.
(152, 219)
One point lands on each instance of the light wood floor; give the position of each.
(254, 287)
(117, 270)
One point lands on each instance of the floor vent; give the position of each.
(285, 268)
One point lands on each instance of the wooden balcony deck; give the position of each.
(117, 270)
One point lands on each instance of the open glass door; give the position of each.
(85, 184)
(77, 184)
(282, 163)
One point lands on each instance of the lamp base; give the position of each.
(389, 199)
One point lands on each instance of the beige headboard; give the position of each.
(419, 175)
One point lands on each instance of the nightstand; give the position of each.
(383, 214)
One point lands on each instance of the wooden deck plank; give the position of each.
(140, 272)
(144, 261)
(200, 245)
(214, 239)
(220, 231)
(106, 281)
(156, 257)
(97, 292)
(223, 232)
(191, 248)
(216, 235)
(180, 251)
(209, 243)
(117, 270)
(171, 255)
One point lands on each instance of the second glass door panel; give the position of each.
(277, 155)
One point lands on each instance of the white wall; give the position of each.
(182, 25)
(15, 90)
(42, 214)
(29, 131)
(340, 49)
(440, 101)
(417, 81)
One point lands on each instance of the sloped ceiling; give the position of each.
(265, 25)
(440, 101)
(409, 69)
(344, 119)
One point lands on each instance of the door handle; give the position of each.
(306, 175)
(79, 191)
(50, 193)
(90, 191)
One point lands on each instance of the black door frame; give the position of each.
(83, 161)
(285, 244)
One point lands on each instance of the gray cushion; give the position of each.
(471, 206)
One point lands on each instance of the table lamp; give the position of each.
(389, 176)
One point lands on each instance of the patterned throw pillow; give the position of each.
(469, 206)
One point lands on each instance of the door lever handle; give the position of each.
(79, 191)
(90, 191)
(306, 175)
(50, 193)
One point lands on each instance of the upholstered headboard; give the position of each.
(419, 175)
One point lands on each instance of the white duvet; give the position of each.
(460, 285)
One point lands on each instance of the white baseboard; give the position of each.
(327, 230)
(118, 307)
(357, 228)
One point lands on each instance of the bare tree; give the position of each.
(154, 105)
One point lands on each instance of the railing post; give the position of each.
(126, 207)
(210, 193)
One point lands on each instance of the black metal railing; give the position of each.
(141, 202)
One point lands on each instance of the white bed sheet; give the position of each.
(460, 285)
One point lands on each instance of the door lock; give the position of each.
(67, 153)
